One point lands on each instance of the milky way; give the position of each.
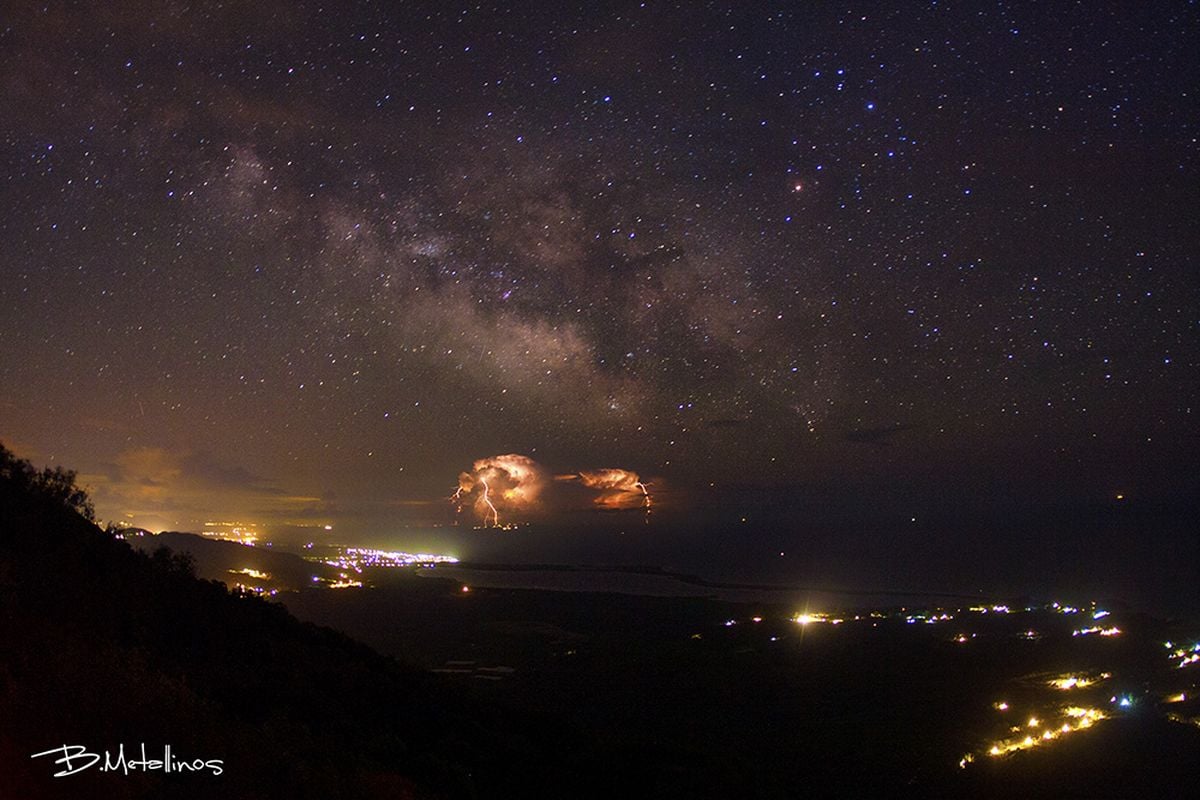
(304, 263)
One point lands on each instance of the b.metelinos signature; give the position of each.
(75, 758)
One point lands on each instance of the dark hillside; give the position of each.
(610, 696)
(223, 561)
(104, 645)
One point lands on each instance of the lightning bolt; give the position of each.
(646, 502)
(456, 499)
(486, 499)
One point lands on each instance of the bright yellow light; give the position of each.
(1002, 706)
(1085, 716)
(253, 573)
(1067, 682)
(1113, 631)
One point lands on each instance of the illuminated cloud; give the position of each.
(501, 487)
(157, 488)
(510, 482)
(618, 489)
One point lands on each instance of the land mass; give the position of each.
(500, 692)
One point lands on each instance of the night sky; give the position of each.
(294, 264)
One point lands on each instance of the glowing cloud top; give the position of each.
(618, 489)
(508, 482)
(513, 484)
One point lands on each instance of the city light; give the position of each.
(1066, 682)
(1074, 719)
(1113, 631)
(253, 573)
(240, 532)
(359, 558)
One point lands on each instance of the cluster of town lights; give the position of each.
(1036, 732)
(1050, 725)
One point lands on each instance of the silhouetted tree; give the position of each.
(56, 486)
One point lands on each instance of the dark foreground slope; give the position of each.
(693, 697)
(104, 646)
(611, 696)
